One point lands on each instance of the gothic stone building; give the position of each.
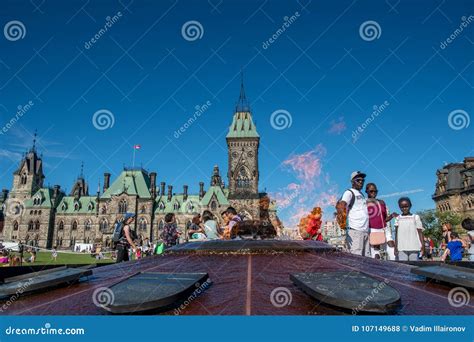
(48, 217)
(455, 188)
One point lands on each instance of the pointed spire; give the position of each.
(81, 175)
(33, 148)
(242, 103)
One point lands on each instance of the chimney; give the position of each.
(4, 194)
(162, 191)
(170, 192)
(153, 184)
(106, 181)
(185, 192)
(56, 189)
(201, 190)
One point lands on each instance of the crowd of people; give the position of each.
(202, 227)
(368, 230)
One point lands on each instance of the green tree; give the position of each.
(433, 221)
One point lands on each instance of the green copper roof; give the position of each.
(215, 191)
(192, 204)
(242, 126)
(71, 205)
(43, 199)
(136, 182)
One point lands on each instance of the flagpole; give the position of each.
(133, 163)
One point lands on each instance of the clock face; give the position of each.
(250, 154)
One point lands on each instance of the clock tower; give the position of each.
(243, 173)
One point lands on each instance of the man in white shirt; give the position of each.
(356, 205)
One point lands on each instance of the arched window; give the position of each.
(77, 206)
(15, 225)
(88, 225)
(104, 225)
(30, 226)
(161, 206)
(243, 178)
(37, 225)
(104, 209)
(91, 206)
(143, 209)
(190, 207)
(176, 206)
(74, 225)
(23, 178)
(213, 205)
(61, 225)
(122, 208)
(39, 212)
(142, 224)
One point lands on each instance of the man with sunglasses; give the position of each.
(354, 202)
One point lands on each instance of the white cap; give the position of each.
(357, 174)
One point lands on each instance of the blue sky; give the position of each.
(320, 70)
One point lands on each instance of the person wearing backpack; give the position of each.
(353, 203)
(123, 237)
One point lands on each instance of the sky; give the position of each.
(385, 87)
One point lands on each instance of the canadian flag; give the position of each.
(137, 147)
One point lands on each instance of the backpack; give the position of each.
(118, 229)
(349, 205)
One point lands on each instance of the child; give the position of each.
(454, 248)
(409, 233)
(170, 233)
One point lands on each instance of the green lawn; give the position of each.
(44, 258)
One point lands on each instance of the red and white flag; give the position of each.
(137, 147)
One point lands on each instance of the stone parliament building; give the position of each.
(48, 217)
(455, 188)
